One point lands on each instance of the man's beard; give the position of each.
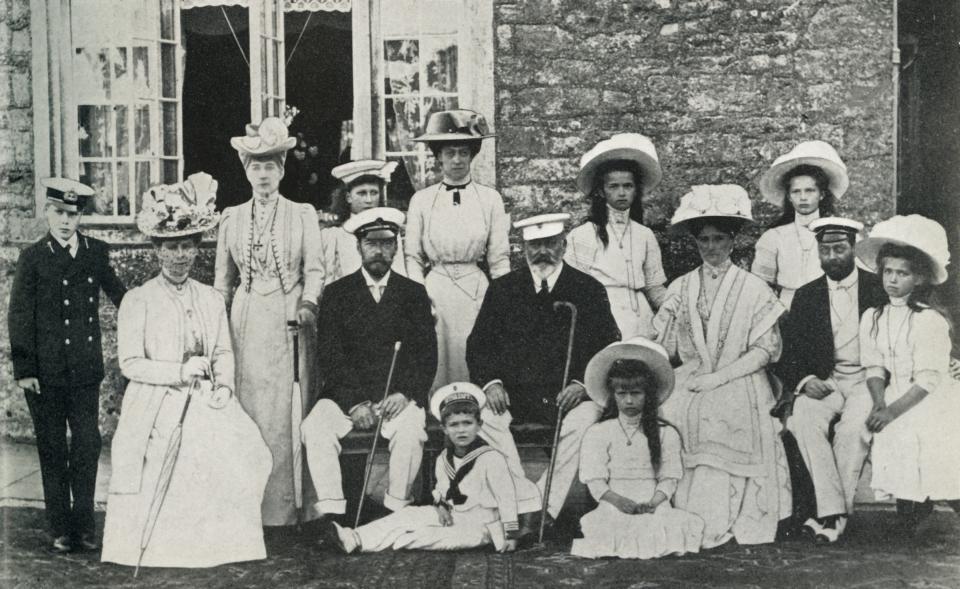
(838, 272)
(377, 267)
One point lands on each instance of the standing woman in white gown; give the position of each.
(613, 245)
(451, 226)
(805, 182)
(173, 339)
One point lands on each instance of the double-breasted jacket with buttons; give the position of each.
(54, 320)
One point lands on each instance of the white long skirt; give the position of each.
(609, 532)
(211, 512)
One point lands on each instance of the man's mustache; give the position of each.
(543, 259)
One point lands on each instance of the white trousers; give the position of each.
(419, 528)
(496, 431)
(321, 432)
(835, 471)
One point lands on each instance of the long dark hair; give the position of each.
(827, 204)
(650, 423)
(923, 298)
(598, 203)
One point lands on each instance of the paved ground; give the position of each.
(868, 556)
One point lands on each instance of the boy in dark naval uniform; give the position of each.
(54, 331)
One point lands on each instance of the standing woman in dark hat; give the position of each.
(451, 226)
(272, 245)
(613, 245)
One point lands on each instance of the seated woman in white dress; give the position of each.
(174, 347)
(631, 462)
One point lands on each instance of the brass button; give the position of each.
(91, 299)
(66, 322)
(67, 341)
(89, 279)
(90, 320)
(89, 338)
(66, 302)
(65, 283)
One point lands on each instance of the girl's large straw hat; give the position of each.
(813, 153)
(638, 348)
(711, 200)
(623, 146)
(925, 234)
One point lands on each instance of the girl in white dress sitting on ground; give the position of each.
(905, 348)
(631, 462)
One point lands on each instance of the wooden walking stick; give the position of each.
(296, 418)
(376, 435)
(556, 432)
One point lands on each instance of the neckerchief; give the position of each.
(456, 190)
(474, 450)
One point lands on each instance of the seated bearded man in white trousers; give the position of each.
(822, 376)
(517, 352)
(361, 319)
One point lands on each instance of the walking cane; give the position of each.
(296, 418)
(556, 432)
(376, 435)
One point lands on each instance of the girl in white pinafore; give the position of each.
(631, 462)
(451, 226)
(916, 440)
(806, 182)
(613, 246)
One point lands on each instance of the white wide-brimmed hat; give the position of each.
(638, 348)
(456, 392)
(177, 210)
(350, 171)
(812, 153)
(455, 125)
(925, 234)
(623, 146)
(265, 139)
(711, 200)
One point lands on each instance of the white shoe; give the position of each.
(831, 535)
(347, 537)
(812, 528)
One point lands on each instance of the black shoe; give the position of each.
(326, 535)
(62, 544)
(530, 528)
(89, 542)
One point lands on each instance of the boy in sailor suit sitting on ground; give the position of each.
(474, 499)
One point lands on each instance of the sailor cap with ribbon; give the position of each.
(350, 171)
(67, 194)
(456, 392)
(385, 219)
(542, 226)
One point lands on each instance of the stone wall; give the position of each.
(722, 88)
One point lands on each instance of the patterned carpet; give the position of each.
(867, 557)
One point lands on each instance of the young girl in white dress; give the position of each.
(805, 182)
(631, 462)
(905, 348)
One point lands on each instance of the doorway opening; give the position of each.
(929, 122)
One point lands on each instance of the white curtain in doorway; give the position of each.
(288, 5)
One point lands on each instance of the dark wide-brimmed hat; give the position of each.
(455, 125)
